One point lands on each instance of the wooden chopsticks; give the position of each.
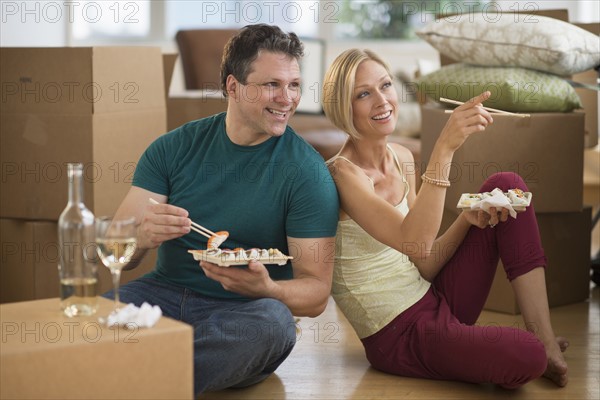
(493, 110)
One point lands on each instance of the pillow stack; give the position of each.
(519, 59)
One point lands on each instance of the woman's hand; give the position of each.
(465, 120)
(482, 219)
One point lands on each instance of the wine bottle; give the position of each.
(78, 260)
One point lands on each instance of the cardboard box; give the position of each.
(101, 106)
(589, 100)
(29, 262)
(193, 104)
(589, 97)
(45, 355)
(566, 241)
(169, 60)
(546, 150)
(591, 176)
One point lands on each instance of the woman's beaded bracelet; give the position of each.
(436, 182)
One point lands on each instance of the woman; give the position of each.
(413, 298)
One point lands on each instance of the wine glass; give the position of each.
(116, 244)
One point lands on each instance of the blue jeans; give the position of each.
(236, 343)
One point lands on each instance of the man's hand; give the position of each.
(251, 281)
(162, 222)
(157, 222)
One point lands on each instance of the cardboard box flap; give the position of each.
(84, 80)
(35, 364)
(589, 98)
(128, 79)
(169, 60)
(16, 285)
(35, 149)
(593, 27)
(46, 80)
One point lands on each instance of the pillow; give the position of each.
(513, 89)
(513, 40)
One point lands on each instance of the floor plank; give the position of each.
(328, 363)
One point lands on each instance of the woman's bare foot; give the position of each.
(557, 366)
(563, 343)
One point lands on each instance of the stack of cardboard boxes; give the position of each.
(591, 156)
(101, 106)
(547, 151)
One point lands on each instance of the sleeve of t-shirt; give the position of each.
(151, 173)
(315, 205)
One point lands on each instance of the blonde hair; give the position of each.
(338, 87)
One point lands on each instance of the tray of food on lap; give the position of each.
(518, 199)
(227, 258)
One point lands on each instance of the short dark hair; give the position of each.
(243, 48)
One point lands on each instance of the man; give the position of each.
(244, 171)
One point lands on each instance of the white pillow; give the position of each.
(512, 40)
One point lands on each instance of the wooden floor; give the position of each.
(328, 363)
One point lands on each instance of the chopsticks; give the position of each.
(202, 230)
(494, 110)
(195, 227)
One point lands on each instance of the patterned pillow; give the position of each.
(513, 89)
(512, 40)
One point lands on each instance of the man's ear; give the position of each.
(232, 86)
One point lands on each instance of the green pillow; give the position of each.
(513, 89)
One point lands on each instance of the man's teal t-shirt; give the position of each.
(259, 194)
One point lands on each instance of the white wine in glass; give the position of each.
(116, 244)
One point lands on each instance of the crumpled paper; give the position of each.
(497, 199)
(145, 316)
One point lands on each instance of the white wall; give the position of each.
(580, 11)
(407, 56)
(32, 24)
(49, 23)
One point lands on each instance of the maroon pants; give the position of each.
(436, 338)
